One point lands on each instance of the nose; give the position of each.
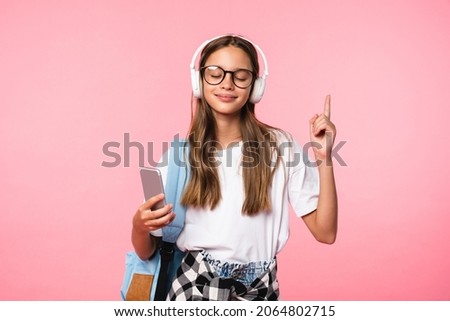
(227, 82)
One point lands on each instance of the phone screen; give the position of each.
(152, 185)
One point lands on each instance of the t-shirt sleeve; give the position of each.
(303, 181)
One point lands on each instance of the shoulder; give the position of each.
(280, 136)
(288, 148)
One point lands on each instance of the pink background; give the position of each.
(75, 75)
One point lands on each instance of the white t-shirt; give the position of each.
(230, 236)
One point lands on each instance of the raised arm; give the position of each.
(323, 221)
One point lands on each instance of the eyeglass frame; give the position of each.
(225, 72)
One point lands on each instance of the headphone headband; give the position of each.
(259, 84)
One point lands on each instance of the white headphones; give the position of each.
(258, 86)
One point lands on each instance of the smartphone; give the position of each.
(152, 185)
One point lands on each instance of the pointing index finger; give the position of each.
(327, 108)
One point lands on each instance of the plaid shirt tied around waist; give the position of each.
(197, 280)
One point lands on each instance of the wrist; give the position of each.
(324, 162)
(140, 232)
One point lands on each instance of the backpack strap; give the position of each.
(177, 176)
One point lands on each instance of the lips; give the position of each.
(226, 97)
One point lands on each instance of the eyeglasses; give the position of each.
(214, 75)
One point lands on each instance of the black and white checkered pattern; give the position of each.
(197, 281)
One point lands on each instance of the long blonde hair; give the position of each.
(260, 151)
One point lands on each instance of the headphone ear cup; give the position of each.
(258, 90)
(195, 80)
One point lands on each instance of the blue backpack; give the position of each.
(151, 279)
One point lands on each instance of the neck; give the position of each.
(228, 130)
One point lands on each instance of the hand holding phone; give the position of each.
(154, 214)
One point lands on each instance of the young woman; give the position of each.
(243, 174)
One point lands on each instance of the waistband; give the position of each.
(245, 273)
